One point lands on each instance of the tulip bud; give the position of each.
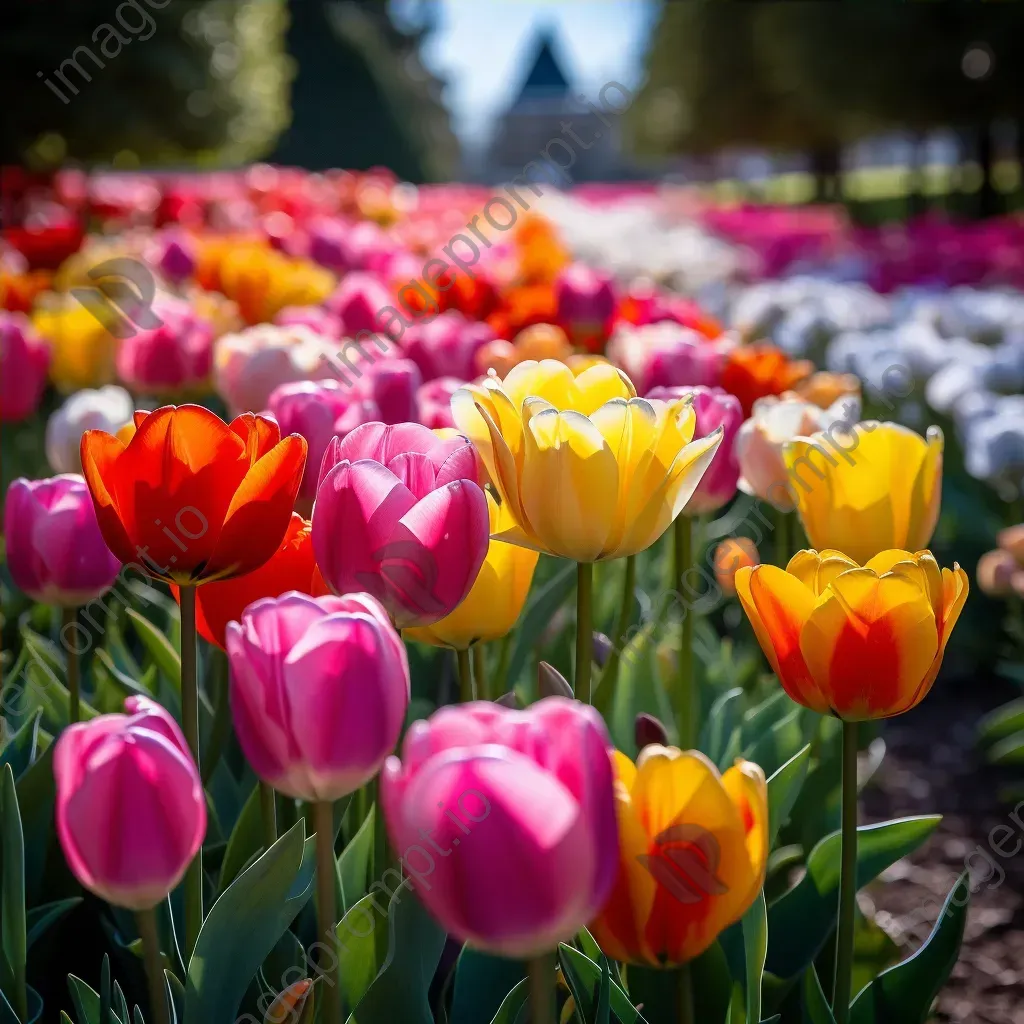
(109, 408)
(551, 682)
(995, 572)
(25, 359)
(130, 810)
(319, 690)
(508, 700)
(55, 551)
(731, 555)
(647, 730)
(586, 303)
(603, 648)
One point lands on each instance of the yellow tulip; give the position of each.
(858, 642)
(82, 349)
(495, 600)
(693, 849)
(587, 470)
(869, 490)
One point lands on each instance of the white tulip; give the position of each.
(108, 408)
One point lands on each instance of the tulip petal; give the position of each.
(101, 453)
(870, 642)
(926, 497)
(746, 785)
(259, 434)
(817, 569)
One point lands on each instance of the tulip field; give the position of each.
(410, 616)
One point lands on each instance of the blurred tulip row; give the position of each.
(364, 672)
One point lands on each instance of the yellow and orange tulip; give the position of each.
(859, 642)
(587, 470)
(693, 849)
(82, 349)
(496, 599)
(873, 489)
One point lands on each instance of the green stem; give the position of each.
(847, 881)
(541, 972)
(610, 673)
(584, 631)
(480, 671)
(327, 907)
(190, 726)
(146, 921)
(783, 540)
(69, 618)
(686, 712)
(268, 807)
(684, 995)
(465, 676)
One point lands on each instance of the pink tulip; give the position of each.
(174, 254)
(391, 384)
(130, 809)
(434, 400)
(176, 356)
(55, 551)
(714, 408)
(399, 514)
(319, 691)
(358, 301)
(316, 318)
(446, 346)
(25, 359)
(505, 821)
(667, 355)
(318, 410)
(586, 303)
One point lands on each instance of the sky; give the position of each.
(480, 47)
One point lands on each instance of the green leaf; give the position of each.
(12, 911)
(783, 789)
(801, 920)
(481, 983)
(816, 1008)
(36, 796)
(105, 1005)
(244, 925)
(1002, 722)
(86, 1000)
(357, 949)
(40, 919)
(602, 1014)
(354, 862)
(513, 1004)
(245, 841)
(779, 744)
(139, 1019)
(587, 977)
(1009, 750)
(400, 991)
(904, 994)
(538, 615)
(159, 648)
(723, 720)
(145, 687)
(20, 750)
(220, 728)
(755, 947)
(120, 1004)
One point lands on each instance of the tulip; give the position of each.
(315, 318)
(774, 421)
(81, 347)
(825, 389)
(693, 852)
(391, 384)
(399, 514)
(359, 301)
(26, 360)
(754, 371)
(175, 256)
(109, 408)
(55, 551)
(319, 691)
(263, 282)
(498, 355)
(879, 490)
(130, 809)
(586, 304)
(175, 357)
(588, 470)
(713, 408)
(434, 402)
(860, 643)
(496, 599)
(521, 796)
(542, 341)
(318, 410)
(999, 574)
(446, 346)
(667, 355)
(291, 567)
(731, 555)
(248, 366)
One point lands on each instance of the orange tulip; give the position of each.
(730, 556)
(860, 643)
(291, 567)
(693, 849)
(192, 497)
(753, 371)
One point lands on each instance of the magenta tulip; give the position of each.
(505, 821)
(714, 408)
(434, 401)
(25, 359)
(55, 551)
(319, 691)
(585, 300)
(131, 813)
(359, 301)
(399, 514)
(667, 354)
(316, 318)
(392, 385)
(446, 346)
(176, 356)
(318, 410)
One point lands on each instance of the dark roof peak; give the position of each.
(546, 77)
